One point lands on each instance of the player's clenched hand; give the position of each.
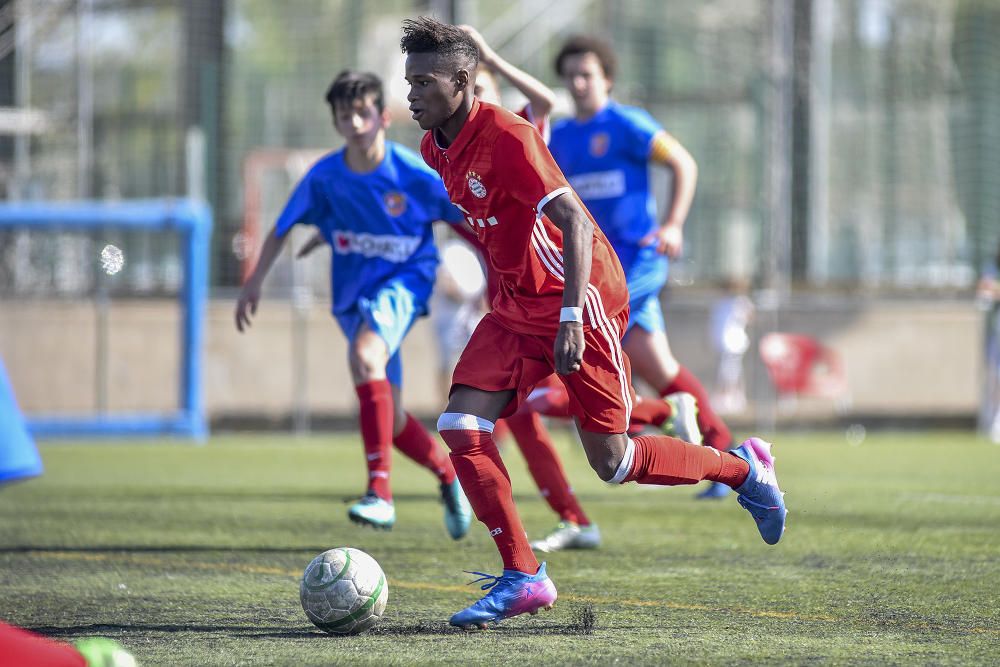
(569, 348)
(246, 304)
(668, 239)
(316, 241)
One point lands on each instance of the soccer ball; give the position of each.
(344, 591)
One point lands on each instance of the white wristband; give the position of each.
(572, 314)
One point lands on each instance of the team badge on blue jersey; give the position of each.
(395, 203)
(475, 185)
(599, 144)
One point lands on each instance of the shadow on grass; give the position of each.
(101, 629)
(243, 495)
(422, 628)
(168, 548)
(442, 628)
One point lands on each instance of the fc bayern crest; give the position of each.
(476, 186)
(395, 203)
(599, 144)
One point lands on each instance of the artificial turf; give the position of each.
(191, 556)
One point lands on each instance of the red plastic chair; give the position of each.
(801, 365)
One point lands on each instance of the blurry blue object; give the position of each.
(18, 454)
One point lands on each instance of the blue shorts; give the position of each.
(390, 313)
(645, 312)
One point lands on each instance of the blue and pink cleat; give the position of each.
(760, 494)
(511, 594)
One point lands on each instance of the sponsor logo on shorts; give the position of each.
(389, 247)
(599, 184)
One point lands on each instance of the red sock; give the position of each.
(543, 463)
(419, 445)
(666, 461)
(487, 486)
(551, 401)
(649, 412)
(714, 431)
(375, 398)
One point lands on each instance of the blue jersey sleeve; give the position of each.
(306, 205)
(447, 210)
(640, 128)
(428, 187)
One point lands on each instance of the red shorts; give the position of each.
(600, 393)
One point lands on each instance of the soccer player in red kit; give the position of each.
(676, 414)
(563, 305)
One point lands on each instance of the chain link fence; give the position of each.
(845, 147)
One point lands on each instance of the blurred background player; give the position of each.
(605, 151)
(457, 304)
(540, 97)
(988, 296)
(730, 318)
(562, 306)
(374, 202)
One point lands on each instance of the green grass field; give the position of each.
(191, 556)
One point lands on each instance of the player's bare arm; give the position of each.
(246, 304)
(667, 151)
(540, 96)
(578, 234)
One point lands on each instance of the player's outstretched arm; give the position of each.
(246, 304)
(540, 96)
(667, 151)
(566, 212)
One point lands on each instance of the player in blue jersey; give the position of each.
(374, 202)
(605, 151)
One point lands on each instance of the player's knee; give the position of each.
(456, 429)
(367, 362)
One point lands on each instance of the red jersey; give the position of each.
(499, 173)
(492, 282)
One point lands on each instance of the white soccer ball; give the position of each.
(344, 591)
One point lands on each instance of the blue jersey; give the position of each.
(378, 224)
(606, 160)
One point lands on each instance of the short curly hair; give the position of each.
(428, 35)
(580, 44)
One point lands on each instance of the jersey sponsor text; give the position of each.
(389, 247)
(599, 184)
